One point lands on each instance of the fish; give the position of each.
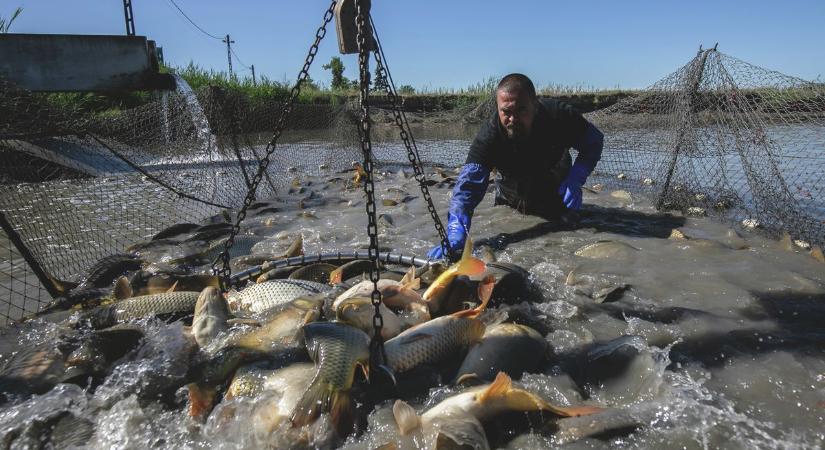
(440, 338)
(277, 273)
(279, 337)
(106, 270)
(276, 392)
(606, 249)
(318, 272)
(349, 270)
(506, 347)
(337, 351)
(175, 230)
(241, 246)
(467, 265)
(169, 303)
(146, 283)
(395, 294)
(263, 296)
(211, 316)
(483, 403)
(211, 232)
(359, 312)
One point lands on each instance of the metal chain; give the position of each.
(377, 343)
(409, 141)
(225, 272)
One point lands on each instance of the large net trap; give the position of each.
(716, 137)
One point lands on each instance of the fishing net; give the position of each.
(716, 137)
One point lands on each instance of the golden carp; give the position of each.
(279, 334)
(337, 351)
(439, 338)
(483, 403)
(467, 265)
(359, 311)
(506, 347)
(211, 316)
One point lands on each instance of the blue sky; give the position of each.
(456, 43)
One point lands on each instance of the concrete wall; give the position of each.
(61, 62)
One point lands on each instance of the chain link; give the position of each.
(377, 343)
(409, 143)
(224, 272)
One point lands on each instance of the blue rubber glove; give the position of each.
(456, 238)
(469, 190)
(571, 188)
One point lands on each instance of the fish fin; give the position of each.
(390, 373)
(61, 286)
(485, 291)
(469, 264)
(500, 386)
(467, 378)
(309, 317)
(122, 289)
(405, 417)
(416, 338)
(173, 287)
(335, 277)
(201, 400)
(321, 397)
(410, 281)
(297, 247)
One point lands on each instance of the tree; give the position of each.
(5, 25)
(406, 90)
(336, 66)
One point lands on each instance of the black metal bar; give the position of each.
(130, 17)
(41, 274)
(386, 257)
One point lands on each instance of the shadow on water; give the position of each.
(597, 218)
(797, 319)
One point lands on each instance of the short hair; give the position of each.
(515, 83)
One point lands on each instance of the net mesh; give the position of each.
(717, 137)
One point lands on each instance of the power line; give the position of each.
(239, 59)
(193, 22)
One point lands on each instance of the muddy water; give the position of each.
(729, 350)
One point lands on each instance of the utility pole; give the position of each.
(229, 43)
(130, 17)
(254, 83)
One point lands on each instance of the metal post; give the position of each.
(130, 17)
(15, 239)
(252, 67)
(229, 43)
(692, 90)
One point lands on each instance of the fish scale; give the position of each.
(432, 341)
(263, 296)
(142, 306)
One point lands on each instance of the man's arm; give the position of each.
(468, 192)
(590, 146)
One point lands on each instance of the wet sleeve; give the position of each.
(469, 190)
(590, 147)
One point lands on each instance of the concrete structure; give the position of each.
(64, 62)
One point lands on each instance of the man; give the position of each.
(528, 142)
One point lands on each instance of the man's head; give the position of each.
(516, 103)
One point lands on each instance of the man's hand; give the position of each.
(571, 188)
(455, 239)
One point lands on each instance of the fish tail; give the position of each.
(485, 291)
(335, 277)
(201, 400)
(321, 397)
(405, 417)
(410, 281)
(469, 264)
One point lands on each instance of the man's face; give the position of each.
(516, 111)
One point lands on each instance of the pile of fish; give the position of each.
(297, 344)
